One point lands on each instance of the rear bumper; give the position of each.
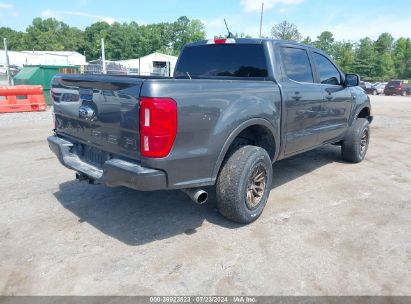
(114, 172)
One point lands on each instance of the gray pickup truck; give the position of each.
(233, 107)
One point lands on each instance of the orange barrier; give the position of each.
(22, 98)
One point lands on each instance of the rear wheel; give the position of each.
(355, 144)
(244, 184)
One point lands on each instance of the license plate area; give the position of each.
(92, 155)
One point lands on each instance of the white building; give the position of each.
(43, 58)
(152, 64)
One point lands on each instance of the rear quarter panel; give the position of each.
(209, 111)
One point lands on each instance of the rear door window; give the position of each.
(297, 64)
(223, 60)
(394, 83)
(327, 72)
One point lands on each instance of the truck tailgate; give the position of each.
(99, 112)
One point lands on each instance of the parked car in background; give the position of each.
(380, 87)
(368, 88)
(3, 70)
(398, 87)
(14, 69)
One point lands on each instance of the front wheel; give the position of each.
(356, 141)
(244, 184)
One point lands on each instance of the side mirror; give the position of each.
(351, 80)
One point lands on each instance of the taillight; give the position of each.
(158, 126)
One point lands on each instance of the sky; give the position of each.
(347, 20)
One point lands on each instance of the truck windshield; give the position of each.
(223, 60)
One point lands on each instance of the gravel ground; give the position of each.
(329, 228)
(8, 119)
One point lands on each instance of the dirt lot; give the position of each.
(329, 227)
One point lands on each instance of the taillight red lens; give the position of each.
(158, 126)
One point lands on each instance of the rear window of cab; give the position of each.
(223, 60)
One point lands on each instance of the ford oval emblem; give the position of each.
(86, 112)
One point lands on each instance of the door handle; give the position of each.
(297, 96)
(328, 96)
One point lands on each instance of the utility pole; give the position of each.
(9, 78)
(261, 17)
(103, 57)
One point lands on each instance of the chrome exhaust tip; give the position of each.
(198, 196)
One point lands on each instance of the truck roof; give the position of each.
(253, 41)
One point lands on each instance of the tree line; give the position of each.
(381, 59)
(122, 40)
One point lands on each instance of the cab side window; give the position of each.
(297, 64)
(327, 72)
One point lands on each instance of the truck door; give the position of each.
(303, 101)
(337, 99)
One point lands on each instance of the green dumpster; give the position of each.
(42, 75)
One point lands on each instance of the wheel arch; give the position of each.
(253, 124)
(364, 112)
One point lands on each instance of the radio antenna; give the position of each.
(230, 35)
(261, 17)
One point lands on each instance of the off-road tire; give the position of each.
(356, 141)
(237, 176)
